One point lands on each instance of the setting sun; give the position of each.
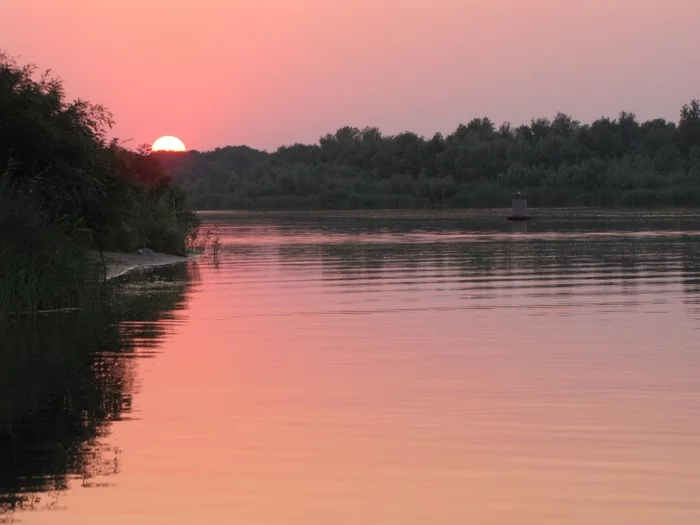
(168, 143)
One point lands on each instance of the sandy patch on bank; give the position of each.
(119, 264)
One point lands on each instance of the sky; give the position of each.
(268, 73)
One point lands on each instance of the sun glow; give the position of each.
(168, 143)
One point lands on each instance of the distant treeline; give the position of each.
(65, 189)
(558, 162)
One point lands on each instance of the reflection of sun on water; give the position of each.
(168, 143)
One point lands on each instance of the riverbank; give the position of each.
(120, 264)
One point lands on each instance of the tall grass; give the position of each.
(42, 265)
(198, 241)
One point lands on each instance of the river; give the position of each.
(362, 368)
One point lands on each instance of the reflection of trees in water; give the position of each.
(64, 379)
(567, 252)
(608, 247)
(491, 257)
(568, 263)
(691, 275)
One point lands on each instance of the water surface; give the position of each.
(385, 368)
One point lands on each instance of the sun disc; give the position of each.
(168, 143)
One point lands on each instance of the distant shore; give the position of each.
(120, 264)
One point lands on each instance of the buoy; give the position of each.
(519, 210)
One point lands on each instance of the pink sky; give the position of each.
(273, 72)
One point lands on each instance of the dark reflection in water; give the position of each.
(483, 222)
(690, 253)
(64, 378)
(562, 253)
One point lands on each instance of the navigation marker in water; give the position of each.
(519, 211)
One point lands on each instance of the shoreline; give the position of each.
(120, 264)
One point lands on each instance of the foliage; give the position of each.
(39, 265)
(64, 189)
(610, 162)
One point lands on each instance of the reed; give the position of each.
(198, 241)
(43, 266)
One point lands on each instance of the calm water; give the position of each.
(386, 368)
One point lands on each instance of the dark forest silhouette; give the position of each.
(610, 162)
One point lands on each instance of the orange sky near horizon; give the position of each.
(272, 72)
